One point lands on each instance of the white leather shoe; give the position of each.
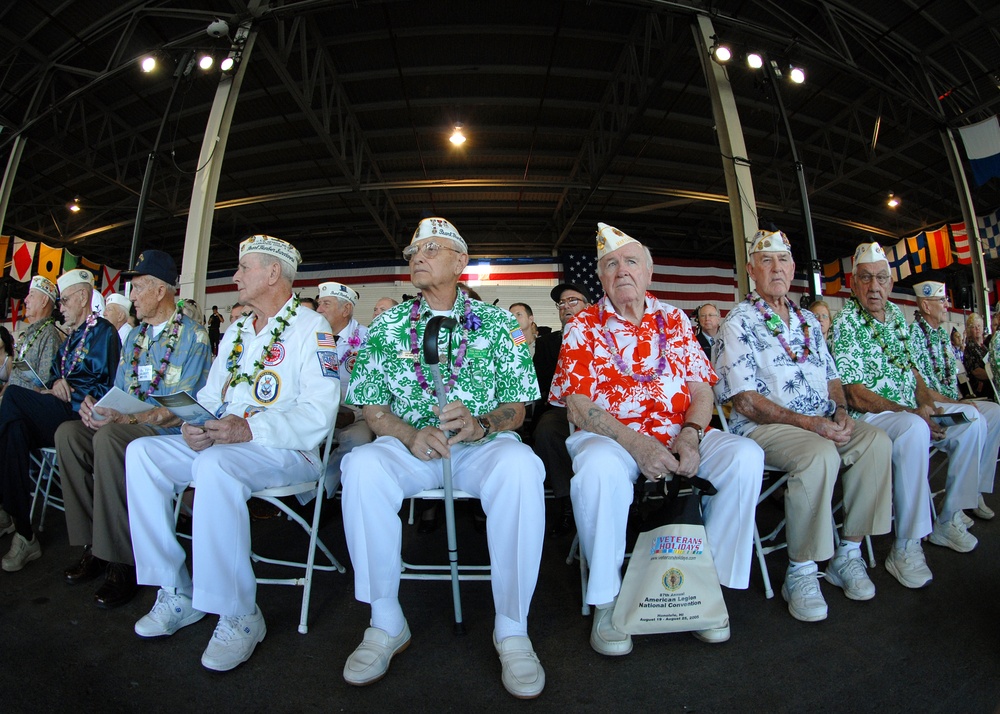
(522, 673)
(604, 638)
(370, 661)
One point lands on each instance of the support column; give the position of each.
(7, 187)
(198, 235)
(972, 230)
(739, 182)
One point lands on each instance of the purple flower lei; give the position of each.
(944, 345)
(470, 323)
(78, 350)
(661, 331)
(774, 324)
(172, 340)
(353, 345)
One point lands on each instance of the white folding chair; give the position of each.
(317, 489)
(441, 571)
(46, 462)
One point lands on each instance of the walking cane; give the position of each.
(431, 332)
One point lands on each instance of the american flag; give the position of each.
(325, 339)
(581, 268)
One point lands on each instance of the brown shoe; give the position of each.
(89, 567)
(119, 586)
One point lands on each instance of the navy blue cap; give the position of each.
(156, 263)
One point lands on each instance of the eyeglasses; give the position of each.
(568, 302)
(428, 249)
(867, 278)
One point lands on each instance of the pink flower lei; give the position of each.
(774, 324)
(469, 322)
(79, 350)
(172, 339)
(353, 345)
(661, 331)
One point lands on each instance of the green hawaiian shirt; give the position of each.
(496, 368)
(875, 354)
(934, 358)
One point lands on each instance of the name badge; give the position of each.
(146, 373)
(406, 355)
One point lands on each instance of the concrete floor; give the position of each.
(905, 651)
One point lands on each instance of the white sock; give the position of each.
(849, 548)
(794, 565)
(388, 615)
(505, 627)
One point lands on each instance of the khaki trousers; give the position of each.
(92, 469)
(812, 463)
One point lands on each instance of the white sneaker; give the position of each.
(234, 641)
(908, 565)
(953, 534)
(170, 613)
(849, 573)
(713, 635)
(981, 511)
(6, 523)
(801, 592)
(22, 551)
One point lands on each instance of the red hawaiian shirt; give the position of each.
(587, 367)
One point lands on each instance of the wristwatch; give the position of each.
(699, 430)
(485, 424)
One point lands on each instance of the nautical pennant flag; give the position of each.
(939, 248)
(899, 263)
(989, 233)
(833, 277)
(917, 248)
(21, 260)
(963, 256)
(982, 146)
(49, 261)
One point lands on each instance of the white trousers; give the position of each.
(224, 476)
(990, 434)
(911, 443)
(504, 474)
(602, 491)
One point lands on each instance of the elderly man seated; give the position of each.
(884, 389)
(488, 376)
(336, 304)
(116, 311)
(639, 387)
(775, 369)
(168, 353)
(274, 396)
(935, 360)
(84, 367)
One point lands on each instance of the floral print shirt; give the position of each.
(748, 357)
(875, 354)
(497, 367)
(934, 358)
(587, 367)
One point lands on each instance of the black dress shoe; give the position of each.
(119, 586)
(430, 519)
(89, 567)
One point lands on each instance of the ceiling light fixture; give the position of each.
(755, 61)
(720, 53)
(148, 64)
(74, 205)
(797, 74)
(457, 137)
(206, 62)
(893, 200)
(228, 63)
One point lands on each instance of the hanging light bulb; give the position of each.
(797, 75)
(227, 64)
(457, 137)
(893, 200)
(74, 205)
(755, 61)
(206, 62)
(148, 64)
